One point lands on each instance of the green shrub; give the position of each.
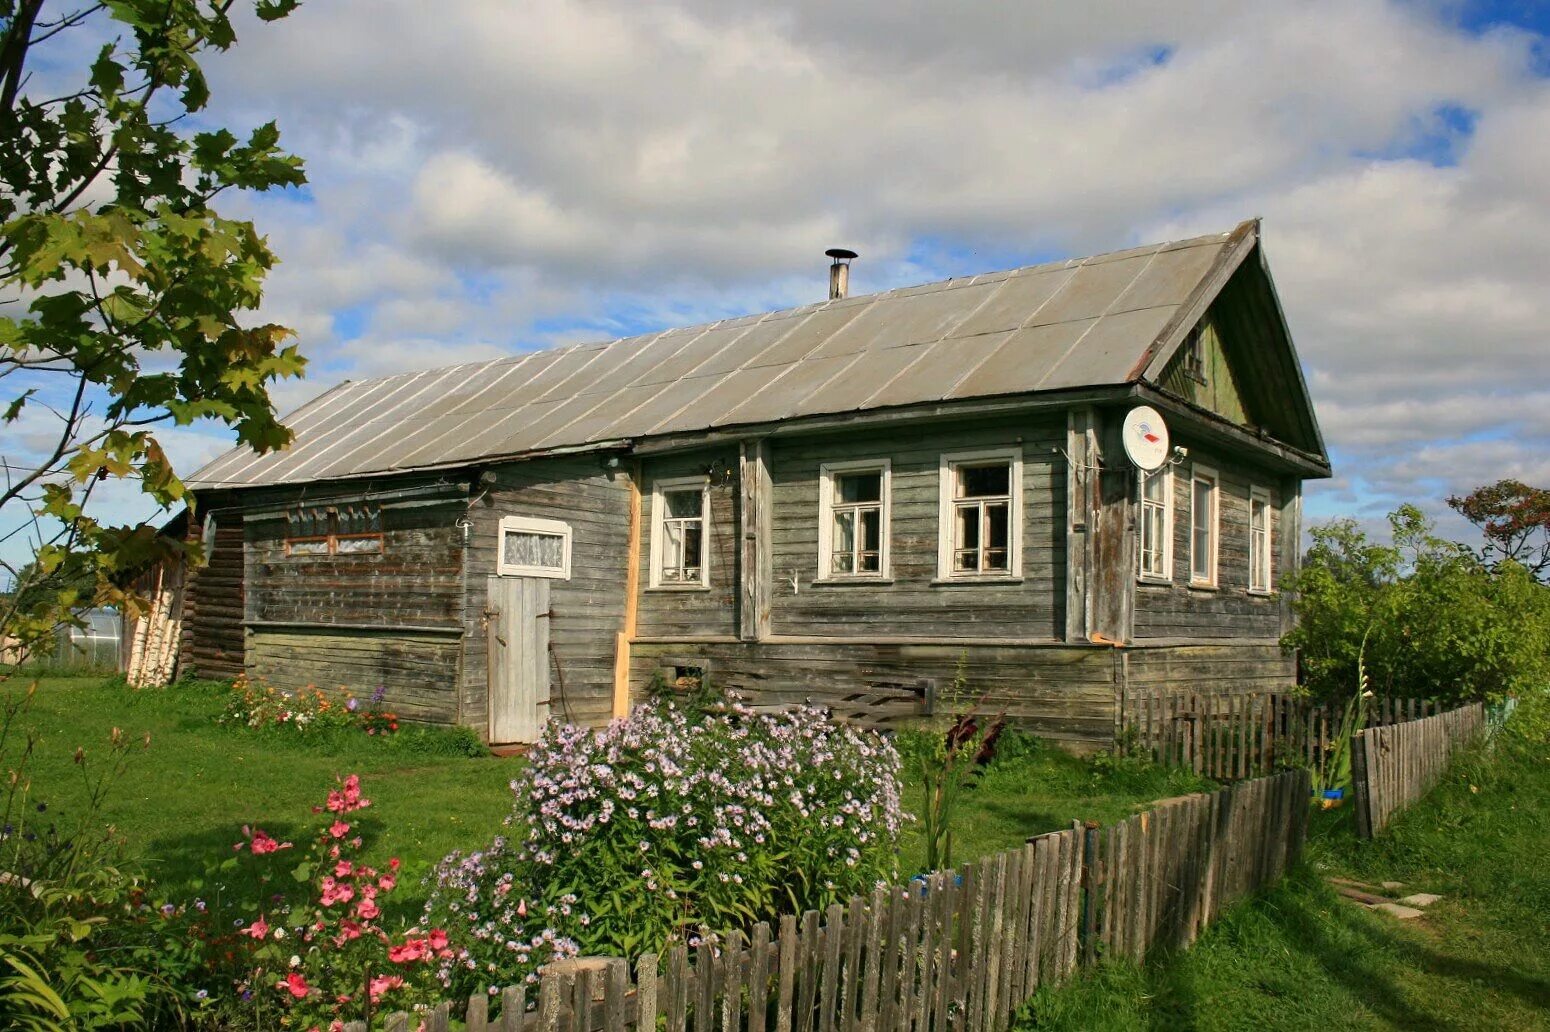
(1438, 622)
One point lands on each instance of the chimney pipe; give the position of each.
(839, 272)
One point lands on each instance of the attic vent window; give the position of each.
(1195, 357)
(333, 530)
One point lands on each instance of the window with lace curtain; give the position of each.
(532, 547)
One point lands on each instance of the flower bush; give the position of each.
(261, 956)
(251, 703)
(631, 837)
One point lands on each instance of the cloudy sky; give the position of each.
(489, 177)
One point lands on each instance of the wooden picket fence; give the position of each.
(1392, 767)
(957, 950)
(1229, 736)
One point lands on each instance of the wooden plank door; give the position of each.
(519, 658)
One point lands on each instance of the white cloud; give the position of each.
(489, 176)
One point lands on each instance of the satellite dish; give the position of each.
(1145, 437)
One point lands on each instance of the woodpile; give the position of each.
(154, 635)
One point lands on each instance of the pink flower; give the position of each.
(335, 892)
(344, 869)
(258, 929)
(264, 843)
(349, 930)
(339, 829)
(409, 952)
(295, 984)
(383, 983)
(386, 882)
(438, 939)
(366, 910)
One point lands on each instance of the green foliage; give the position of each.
(1437, 622)
(70, 955)
(136, 290)
(947, 763)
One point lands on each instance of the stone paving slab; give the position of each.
(1420, 899)
(1403, 913)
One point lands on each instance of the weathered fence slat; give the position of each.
(1393, 766)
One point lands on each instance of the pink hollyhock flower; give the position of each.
(349, 930)
(263, 843)
(339, 829)
(438, 939)
(296, 984)
(366, 910)
(382, 984)
(335, 892)
(393, 863)
(411, 951)
(386, 882)
(344, 869)
(258, 929)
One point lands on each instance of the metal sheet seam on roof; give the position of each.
(472, 415)
(1075, 344)
(237, 459)
(350, 401)
(344, 459)
(411, 390)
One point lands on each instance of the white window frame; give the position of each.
(1165, 576)
(947, 476)
(1207, 473)
(826, 474)
(659, 488)
(1261, 585)
(533, 525)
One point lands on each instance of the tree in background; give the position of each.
(1515, 520)
(1438, 622)
(122, 291)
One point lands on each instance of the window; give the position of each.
(681, 511)
(1195, 357)
(333, 530)
(1156, 530)
(534, 548)
(1203, 513)
(981, 511)
(853, 519)
(1259, 540)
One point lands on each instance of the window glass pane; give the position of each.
(871, 530)
(983, 481)
(358, 545)
(680, 504)
(967, 534)
(691, 551)
(1152, 486)
(858, 487)
(309, 547)
(869, 562)
(996, 526)
(1201, 507)
(844, 538)
(535, 549)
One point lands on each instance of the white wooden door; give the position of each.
(518, 610)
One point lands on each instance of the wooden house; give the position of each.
(842, 502)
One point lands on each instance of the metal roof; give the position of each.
(1076, 323)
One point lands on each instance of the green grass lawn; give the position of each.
(183, 800)
(1300, 957)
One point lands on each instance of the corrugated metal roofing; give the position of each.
(1081, 322)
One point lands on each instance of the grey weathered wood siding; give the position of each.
(1064, 693)
(1214, 669)
(391, 620)
(1179, 611)
(587, 610)
(913, 602)
(692, 612)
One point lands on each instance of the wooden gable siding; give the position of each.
(391, 621)
(914, 603)
(212, 637)
(693, 612)
(1219, 393)
(587, 609)
(1177, 610)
